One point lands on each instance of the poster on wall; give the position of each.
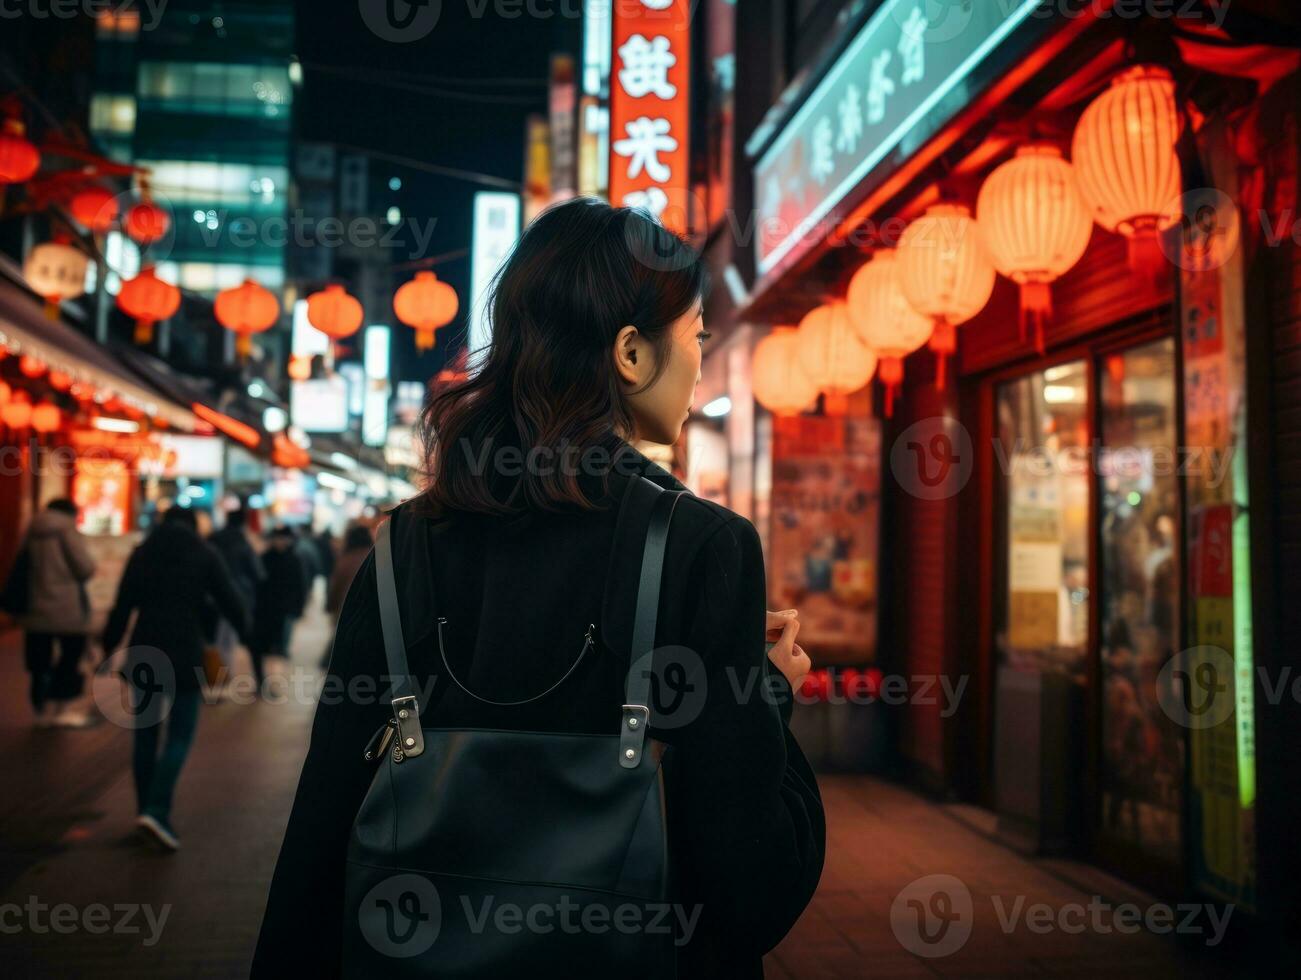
(823, 533)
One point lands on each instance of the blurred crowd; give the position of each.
(188, 599)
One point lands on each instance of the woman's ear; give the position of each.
(628, 359)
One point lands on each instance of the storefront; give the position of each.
(73, 423)
(1070, 489)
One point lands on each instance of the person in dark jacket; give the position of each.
(245, 567)
(596, 345)
(168, 582)
(357, 542)
(280, 599)
(325, 552)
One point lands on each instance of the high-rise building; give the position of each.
(200, 94)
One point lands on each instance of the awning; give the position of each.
(26, 330)
(213, 411)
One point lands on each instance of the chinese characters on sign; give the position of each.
(900, 69)
(648, 109)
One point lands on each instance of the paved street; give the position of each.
(68, 838)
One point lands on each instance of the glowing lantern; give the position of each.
(148, 299)
(945, 274)
(425, 303)
(1125, 159)
(17, 413)
(95, 208)
(246, 309)
(333, 312)
(300, 367)
(780, 384)
(59, 381)
(56, 272)
(31, 367)
(19, 159)
(1036, 226)
(46, 418)
(5, 392)
(831, 355)
(884, 319)
(146, 222)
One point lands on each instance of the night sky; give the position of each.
(456, 97)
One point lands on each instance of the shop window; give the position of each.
(1042, 447)
(1142, 748)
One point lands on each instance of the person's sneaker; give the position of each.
(73, 719)
(160, 830)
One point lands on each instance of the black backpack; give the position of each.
(489, 854)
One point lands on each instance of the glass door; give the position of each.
(1042, 605)
(1142, 749)
(1086, 607)
(1043, 442)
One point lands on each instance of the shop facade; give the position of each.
(1079, 524)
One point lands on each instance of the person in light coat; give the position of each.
(57, 619)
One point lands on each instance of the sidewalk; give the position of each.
(69, 838)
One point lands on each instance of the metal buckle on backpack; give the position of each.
(632, 734)
(411, 740)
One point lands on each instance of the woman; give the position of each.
(597, 343)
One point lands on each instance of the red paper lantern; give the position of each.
(19, 159)
(5, 392)
(95, 208)
(1036, 227)
(247, 309)
(31, 367)
(148, 299)
(885, 321)
(946, 274)
(780, 384)
(425, 304)
(1126, 163)
(46, 418)
(56, 272)
(300, 367)
(333, 312)
(17, 413)
(146, 222)
(831, 354)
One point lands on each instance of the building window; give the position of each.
(117, 25)
(113, 114)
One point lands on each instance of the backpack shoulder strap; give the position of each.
(406, 710)
(636, 712)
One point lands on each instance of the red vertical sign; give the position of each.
(649, 99)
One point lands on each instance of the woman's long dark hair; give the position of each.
(547, 386)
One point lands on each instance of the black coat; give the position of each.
(174, 579)
(282, 592)
(746, 826)
(245, 566)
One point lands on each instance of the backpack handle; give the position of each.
(636, 713)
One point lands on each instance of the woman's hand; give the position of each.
(787, 655)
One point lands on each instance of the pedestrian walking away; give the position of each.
(47, 595)
(170, 580)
